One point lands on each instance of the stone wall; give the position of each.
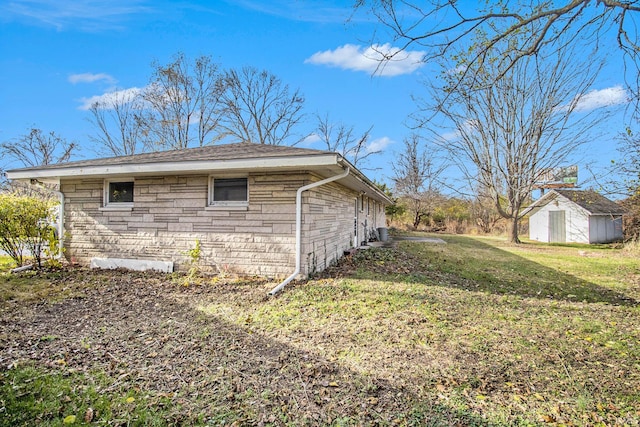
(170, 213)
(329, 224)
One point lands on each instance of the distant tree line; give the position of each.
(191, 103)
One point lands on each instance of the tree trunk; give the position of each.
(416, 220)
(514, 230)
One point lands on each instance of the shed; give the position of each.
(575, 216)
(255, 209)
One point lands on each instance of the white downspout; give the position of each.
(60, 216)
(299, 226)
(60, 224)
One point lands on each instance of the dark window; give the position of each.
(121, 192)
(230, 190)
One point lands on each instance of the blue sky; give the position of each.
(57, 56)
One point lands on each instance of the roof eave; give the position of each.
(325, 162)
(584, 209)
(134, 169)
(542, 201)
(360, 177)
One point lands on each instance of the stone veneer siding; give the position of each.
(170, 213)
(328, 224)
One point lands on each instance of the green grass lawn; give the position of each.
(473, 332)
(31, 286)
(6, 263)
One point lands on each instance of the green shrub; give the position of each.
(25, 226)
(194, 255)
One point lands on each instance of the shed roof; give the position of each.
(591, 201)
(239, 157)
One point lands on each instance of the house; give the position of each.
(575, 216)
(255, 209)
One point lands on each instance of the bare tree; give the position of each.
(259, 108)
(623, 179)
(118, 129)
(440, 26)
(416, 178)
(340, 138)
(484, 211)
(182, 103)
(507, 130)
(37, 148)
(629, 164)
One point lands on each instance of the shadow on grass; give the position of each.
(149, 337)
(470, 264)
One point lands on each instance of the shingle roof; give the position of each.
(593, 202)
(209, 159)
(220, 152)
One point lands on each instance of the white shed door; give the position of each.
(557, 227)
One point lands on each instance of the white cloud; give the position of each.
(379, 144)
(90, 78)
(469, 126)
(383, 60)
(109, 99)
(84, 15)
(308, 11)
(608, 97)
(311, 139)
(450, 136)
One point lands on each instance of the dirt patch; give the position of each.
(147, 332)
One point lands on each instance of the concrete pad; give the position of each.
(436, 240)
(132, 264)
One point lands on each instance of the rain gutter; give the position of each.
(299, 225)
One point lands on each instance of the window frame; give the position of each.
(211, 203)
(107, 192)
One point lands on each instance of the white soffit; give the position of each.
(267, 163)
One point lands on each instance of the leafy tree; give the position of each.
(451, 214)
(395, 210)
(38, 148)
(258, 107)
(339, 138)
(26, 211)
(25, 226)
(508, 127)
(182, 104)
(438, 27)
(416, 176)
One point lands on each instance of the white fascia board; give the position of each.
(177, 167)
(540, 203)
(39, 175)
(361, 180)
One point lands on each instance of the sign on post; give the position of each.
(562, 177)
